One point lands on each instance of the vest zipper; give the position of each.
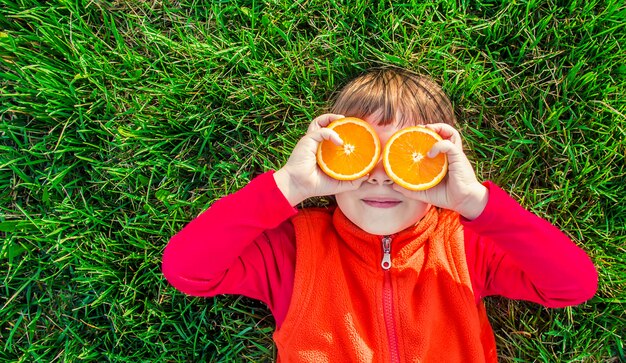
(390, 322)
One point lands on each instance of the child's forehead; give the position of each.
(391, 109)
(391, 97)
(399, 119)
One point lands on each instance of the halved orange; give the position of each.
(406, 162)
(358, 155)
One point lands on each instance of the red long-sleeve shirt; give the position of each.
(245, 244)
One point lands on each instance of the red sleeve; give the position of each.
(514, 253)
(243, 244)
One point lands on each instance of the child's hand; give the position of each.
(459, 190)
(301, 177)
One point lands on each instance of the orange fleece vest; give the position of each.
(346, 308)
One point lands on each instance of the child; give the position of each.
(320, 272)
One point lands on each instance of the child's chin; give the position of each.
(382, 229)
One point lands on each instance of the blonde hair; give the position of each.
(394, 95)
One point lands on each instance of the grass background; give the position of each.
(122, 120)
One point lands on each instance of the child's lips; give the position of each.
(378, 202)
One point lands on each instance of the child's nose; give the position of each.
(379, 176)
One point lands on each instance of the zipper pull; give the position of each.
(386, 263)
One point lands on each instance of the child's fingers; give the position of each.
(446, 132)
(323, 121)
(345, 186)
(407, 193)
(412, 194)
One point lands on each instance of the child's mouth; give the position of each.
(381, 203)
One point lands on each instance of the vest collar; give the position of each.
(367, 248)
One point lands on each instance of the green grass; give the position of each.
(122, 120)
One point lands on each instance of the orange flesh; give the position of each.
(406, 160)
(353, 156)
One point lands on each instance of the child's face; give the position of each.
(375, 207)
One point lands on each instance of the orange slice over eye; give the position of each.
(406, 162)
(358, 155)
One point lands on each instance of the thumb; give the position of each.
(443, 146)
(326, 134)
(323, 121)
